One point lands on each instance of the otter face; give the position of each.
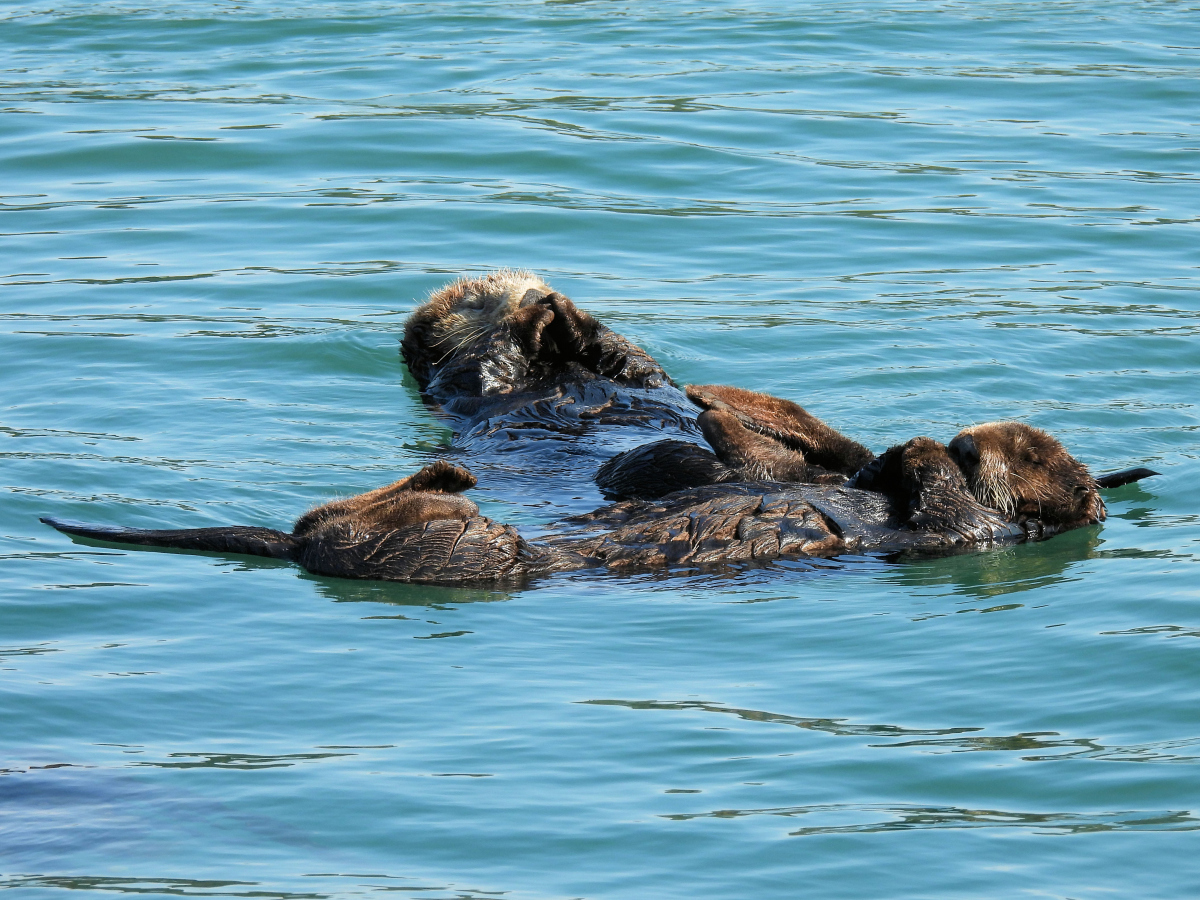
(1025, 474)
(457, 315)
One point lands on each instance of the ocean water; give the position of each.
(907, 216)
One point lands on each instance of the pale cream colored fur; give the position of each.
(465, 309)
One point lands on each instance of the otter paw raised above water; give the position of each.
(784, 422)
(426, 496)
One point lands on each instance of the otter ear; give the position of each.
(443, 478)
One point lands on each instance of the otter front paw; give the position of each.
(573, 330)
(528, 324)
(442, 477)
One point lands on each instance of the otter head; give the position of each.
(1026, 474)
(463, 312)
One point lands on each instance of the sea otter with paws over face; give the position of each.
(519, 369)
(1020, 471)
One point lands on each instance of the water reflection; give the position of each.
(985, 574)
(830, 726)
(1170, 631)
(395, 593)
(333, 884)
(940, 740)
(172, 887)
(922, 818)
(74, 812)
(235, 760)
(106, 815)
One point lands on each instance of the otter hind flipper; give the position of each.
(248, 539)
(787, 423)
(661, 468)
(1123, 477)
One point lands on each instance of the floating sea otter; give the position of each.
(915, 498)
(537, 389)
(519, 365)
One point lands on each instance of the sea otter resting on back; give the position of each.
(519, 365)
(915, 498)
(534, 384)
(521, 370)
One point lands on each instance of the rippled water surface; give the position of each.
(907, 216)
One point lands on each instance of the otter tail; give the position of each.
(246, 539)
(1125, 476)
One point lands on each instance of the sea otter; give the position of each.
(919, 497)
(533, 384)
(520, 370)
(525, 371)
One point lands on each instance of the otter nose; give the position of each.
(964, 451)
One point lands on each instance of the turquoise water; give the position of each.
(907, 216)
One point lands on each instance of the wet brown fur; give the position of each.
(461, 312)
(775, 434)
(1027, 475)
(428, 495)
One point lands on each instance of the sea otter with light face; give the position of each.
(1020, 471)
(518, 364)
(539, 393)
